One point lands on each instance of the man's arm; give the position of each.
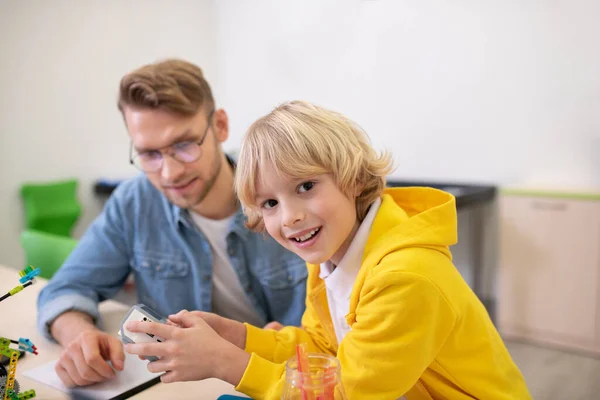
(69, 325)
(95, 270)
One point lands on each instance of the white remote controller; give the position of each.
(140, 312)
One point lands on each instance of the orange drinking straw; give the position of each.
(303, 368)
(330, 381)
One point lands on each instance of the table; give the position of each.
(19, 320)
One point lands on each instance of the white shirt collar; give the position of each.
(341, 279)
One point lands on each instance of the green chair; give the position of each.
(46, 251)
(51, 207)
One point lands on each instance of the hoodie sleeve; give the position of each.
(401, 323)
(269, 350)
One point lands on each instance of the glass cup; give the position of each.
(322, 381)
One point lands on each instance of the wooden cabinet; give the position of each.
(549, 270)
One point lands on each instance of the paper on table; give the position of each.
(134, 374)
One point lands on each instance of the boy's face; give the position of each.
(310, 217)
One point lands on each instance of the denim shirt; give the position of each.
(140, 231)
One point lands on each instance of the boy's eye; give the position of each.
(269, 203)
(305, 187)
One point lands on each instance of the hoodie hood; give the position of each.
(413, 217)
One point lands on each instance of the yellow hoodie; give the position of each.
(417, 328)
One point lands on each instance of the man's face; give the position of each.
(160, 134)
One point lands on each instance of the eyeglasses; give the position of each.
(184, 152)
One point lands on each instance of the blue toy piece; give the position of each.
(26, 345)
(28, 274)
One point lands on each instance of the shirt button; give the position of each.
(231, 251)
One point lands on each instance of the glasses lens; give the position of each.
(149, 162)
(187, 151)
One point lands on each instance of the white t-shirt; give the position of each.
(340, 280)
(228, 296)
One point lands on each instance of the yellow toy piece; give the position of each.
(10, 393)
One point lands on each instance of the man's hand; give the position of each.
(86, 350)
(84, 360)
(193, 350)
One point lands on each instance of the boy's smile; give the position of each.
(310, 217)
(306, 238)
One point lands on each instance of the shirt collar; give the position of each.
(343, 277)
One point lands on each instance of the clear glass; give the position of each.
(152, 161)
(185, 152)
(323, 381)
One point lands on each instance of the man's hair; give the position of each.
(301, 140)
(172, 85)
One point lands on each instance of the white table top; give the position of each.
(18, 315)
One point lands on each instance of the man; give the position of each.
(178, 228)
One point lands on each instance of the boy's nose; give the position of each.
(292, 216)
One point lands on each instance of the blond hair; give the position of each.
(173, 85)
(301, 140)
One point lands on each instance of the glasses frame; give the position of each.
(162, 150)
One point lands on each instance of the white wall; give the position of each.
(60, 65)
(518, 82)
(499, 91)
(503, 91)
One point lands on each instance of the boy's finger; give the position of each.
(168, 377)
(153, 328)
(147, 349)
(158, 366)
(188, 320)
(179, 313)
(276, 326)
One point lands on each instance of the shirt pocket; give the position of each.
(286, 275)
(159, 265)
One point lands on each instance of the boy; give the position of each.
(383, 294)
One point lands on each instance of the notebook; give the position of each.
(134, 378)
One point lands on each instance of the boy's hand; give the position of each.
(192, 351)
(230, 330)
(276, 326)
